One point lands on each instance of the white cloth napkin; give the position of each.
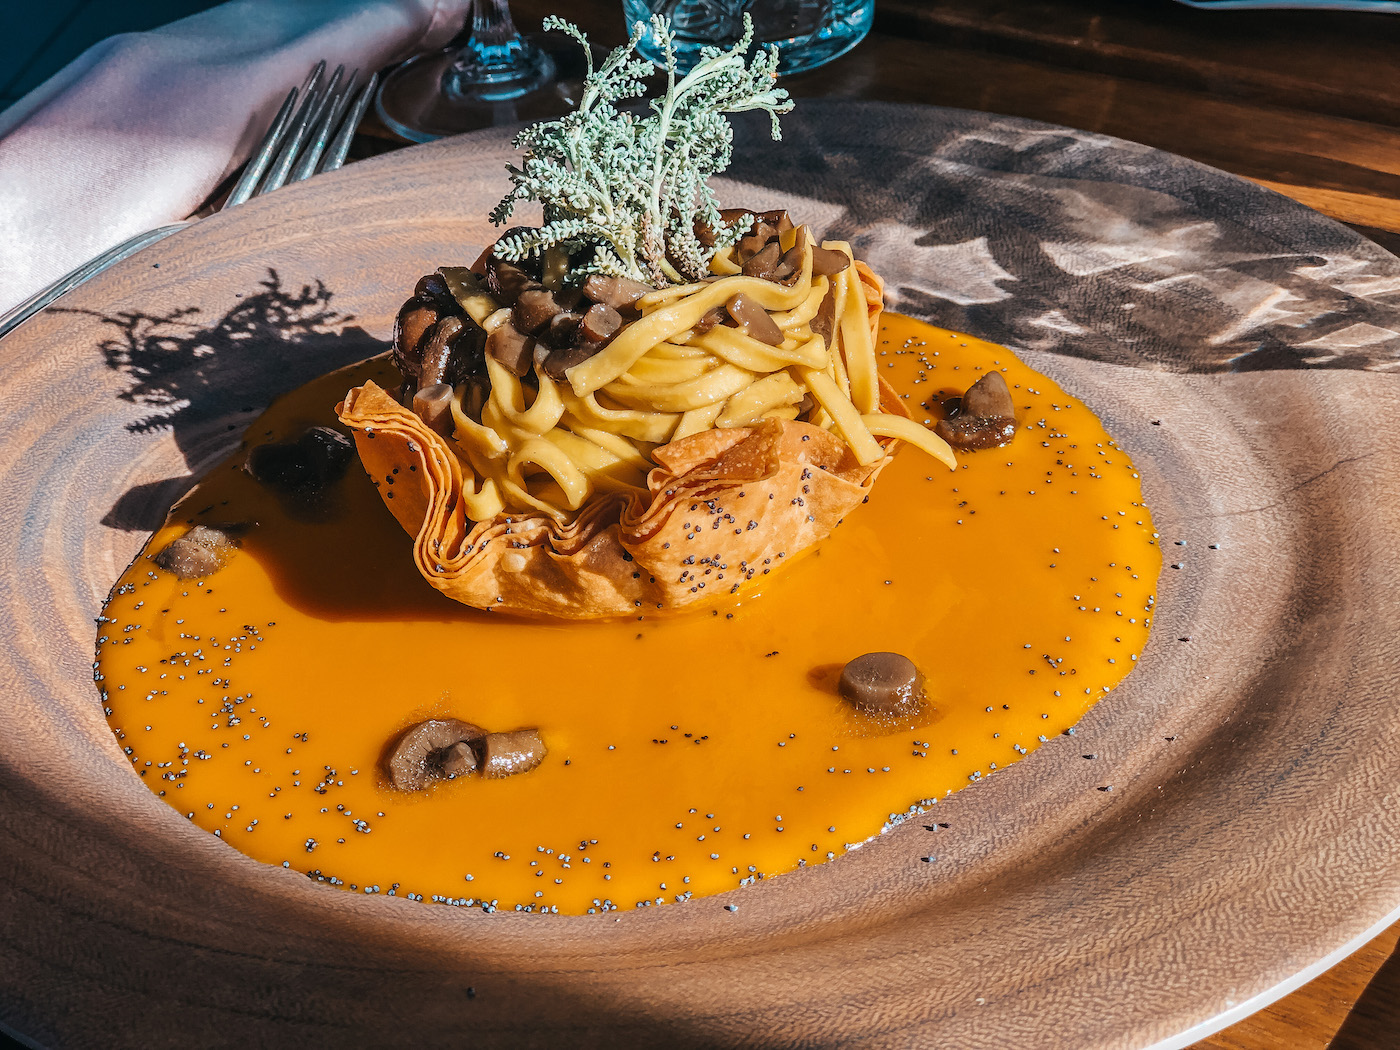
(139, 130)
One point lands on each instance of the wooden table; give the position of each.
(1307, 103)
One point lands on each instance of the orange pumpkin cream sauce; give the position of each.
(686, 755)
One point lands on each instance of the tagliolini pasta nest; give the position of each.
(679, 463)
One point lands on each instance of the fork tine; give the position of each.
(335, 156)
(306, 116)
(258, 163)
(328, 96)
(248, 183)
(306, 166)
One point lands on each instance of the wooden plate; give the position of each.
(1235, 834)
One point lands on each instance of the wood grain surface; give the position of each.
(1248, 833)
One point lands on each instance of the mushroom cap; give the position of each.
(974, 433)
(989, 397)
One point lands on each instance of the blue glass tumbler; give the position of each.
(808, 33)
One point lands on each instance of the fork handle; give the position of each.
(12, 319)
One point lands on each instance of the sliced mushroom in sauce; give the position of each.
(599, 324)
(422, 752)
(434, 340)
(989, 396)
(433, 366)
(710, 318)
(506, 754)
(617, 292)
(512, 348)
(763, 262)
(534, 310)
(562, 329)
(202, 551)
(986, 416)
(754, 243)
(557, 362)
(827, 262)
(412, 324)
(778, 218)
(507, 280)
(459, 760)
(474, 394)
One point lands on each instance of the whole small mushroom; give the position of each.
(447, 748)
(882, 684)
(437, 351)
(318, 457)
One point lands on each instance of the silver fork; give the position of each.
(296, 147)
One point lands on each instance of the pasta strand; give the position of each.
(698, 419)
(734, 346)
(857, 350)
(847, 420)
(887, 424)
(715, 385)
(749, 405)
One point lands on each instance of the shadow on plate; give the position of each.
(1069, 242)
(195, 375)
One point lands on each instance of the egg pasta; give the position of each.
(534, 444)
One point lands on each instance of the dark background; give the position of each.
(40, 37)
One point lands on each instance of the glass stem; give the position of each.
(495, 43)
(496, 63)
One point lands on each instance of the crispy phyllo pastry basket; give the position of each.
(721, 508)
(708, 435)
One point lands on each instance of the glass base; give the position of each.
(445, 93)
(807, 33)
(498, 74)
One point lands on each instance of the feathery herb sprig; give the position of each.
(632, 189)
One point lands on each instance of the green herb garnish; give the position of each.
(626, 192)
